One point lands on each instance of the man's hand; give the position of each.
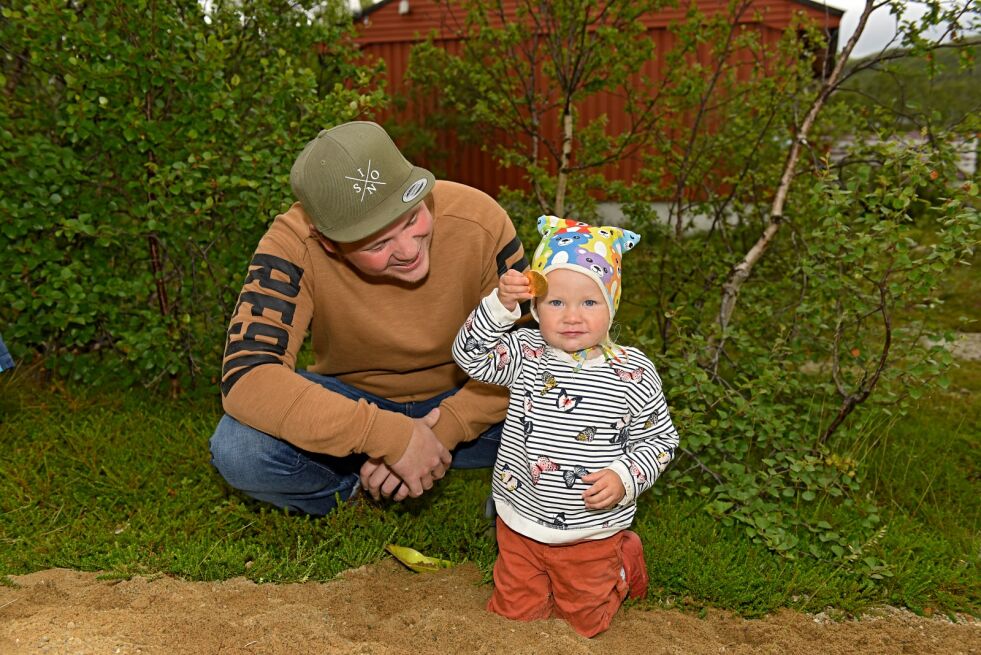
(606, 489)
(378, 480)
(425, 461)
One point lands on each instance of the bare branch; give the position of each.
(698, 462)
(701, 111)
(867, 384)
(741, 271)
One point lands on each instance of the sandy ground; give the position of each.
(386, 609)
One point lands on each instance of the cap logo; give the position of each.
(413, 191)
(365, 183)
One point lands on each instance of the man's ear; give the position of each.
(327, 244)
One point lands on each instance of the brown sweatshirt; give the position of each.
(385, 338)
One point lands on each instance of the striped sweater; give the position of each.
(566, 419)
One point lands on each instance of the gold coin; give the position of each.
(537, 282)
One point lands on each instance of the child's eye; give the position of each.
(590, 303)
(555, 303)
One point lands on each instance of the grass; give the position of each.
(954, 307)
(121, 484)
(922, 471)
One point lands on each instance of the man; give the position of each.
(381, 264)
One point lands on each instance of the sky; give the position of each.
(881, 27)
(879, 30)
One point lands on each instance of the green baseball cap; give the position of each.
(352, 181)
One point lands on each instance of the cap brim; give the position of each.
(413, 190)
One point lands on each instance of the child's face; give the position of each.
(573, 315)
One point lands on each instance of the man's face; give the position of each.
(397, 252)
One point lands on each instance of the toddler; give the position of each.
(587, 431)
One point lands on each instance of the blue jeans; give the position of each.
(6, 361)
(279, 473)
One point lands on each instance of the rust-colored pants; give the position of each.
(583, 583)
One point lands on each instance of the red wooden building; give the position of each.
(389, 29)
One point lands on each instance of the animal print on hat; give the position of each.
(595, 251)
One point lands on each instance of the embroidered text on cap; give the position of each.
(366, 182)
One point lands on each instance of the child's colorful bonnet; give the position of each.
(595, 251)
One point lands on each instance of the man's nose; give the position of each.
(405, 248)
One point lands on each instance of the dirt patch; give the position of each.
(386, 610)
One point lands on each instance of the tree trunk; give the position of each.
(741, 271)
(563, 178)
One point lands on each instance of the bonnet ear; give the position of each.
(627, 241)
(548, 224)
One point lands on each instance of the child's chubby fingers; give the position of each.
(599, 496)
(605, 490)
(514, 282)
(514, 277)
(597, 492)
(514, 286)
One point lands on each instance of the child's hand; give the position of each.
(512, 288)
(605, 491)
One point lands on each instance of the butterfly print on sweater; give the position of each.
(569, 476)
(636, 472)
(532, 353)
(622, 426)
(543, 464)
(565, 402)
(471, 345)
(549, 383)
(508, 479)
(635, 375)
(503, 356)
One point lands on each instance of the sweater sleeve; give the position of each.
(260, 386)
(484, 349)
(651, 436)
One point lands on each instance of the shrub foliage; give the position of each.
(146, 145)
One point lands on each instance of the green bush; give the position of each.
(829, 320)
(146, 147)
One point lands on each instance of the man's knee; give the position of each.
(274, 471)
(479, 453)
(237, 454)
